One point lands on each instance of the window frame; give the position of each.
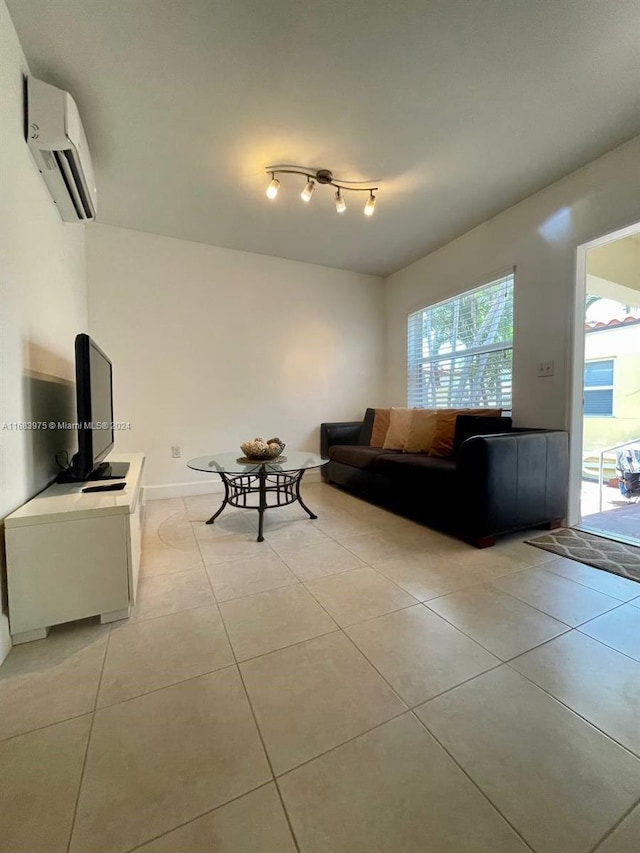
(415, 392)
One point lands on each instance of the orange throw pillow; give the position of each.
(398, 433)
(442, 443)
(421, 430)
(380, 427)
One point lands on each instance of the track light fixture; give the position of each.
(274, 186)
(306, 193)
(322, 176)
(370, 206)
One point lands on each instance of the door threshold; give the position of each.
(605, 534)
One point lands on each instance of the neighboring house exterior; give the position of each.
(611, 386)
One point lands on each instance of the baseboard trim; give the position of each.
(181, 490)
(207, 487)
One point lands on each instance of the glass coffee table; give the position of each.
(259, 485)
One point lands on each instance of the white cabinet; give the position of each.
(71, 555)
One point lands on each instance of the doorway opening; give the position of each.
(608, 317)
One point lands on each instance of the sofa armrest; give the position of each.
(345, 432)
(513, 480)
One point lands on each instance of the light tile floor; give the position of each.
(358, 684)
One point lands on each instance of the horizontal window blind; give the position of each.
(598, 373)
(459, 352)
(598, 388)
(598, 403)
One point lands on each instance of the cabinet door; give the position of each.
(66, 570)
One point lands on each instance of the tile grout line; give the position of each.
(171, 613)
(597, 616)
(405, 709)
(408, 707)
(264, 747)
(166, 686)
(615, 826)
(45, 726)
(255, 722)
(336, 746)
(602, 642)
(592, 588)
(470, 586)
(235, 666)
(473, 782)
(567, 629)
(198, 817)
(86, 752)
(360, 652)
(572, 710)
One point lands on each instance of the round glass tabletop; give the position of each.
(227, 463)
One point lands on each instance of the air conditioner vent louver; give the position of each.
(71, 180)
(59, 147)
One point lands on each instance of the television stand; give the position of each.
(71, 555)
(109, 471)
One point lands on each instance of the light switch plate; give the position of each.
(545, 368)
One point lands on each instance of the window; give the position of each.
(598, 388)
(459, 352)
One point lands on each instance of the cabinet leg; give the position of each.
(28, 636)
(114, 615)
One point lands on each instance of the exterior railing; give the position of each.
(601, 456)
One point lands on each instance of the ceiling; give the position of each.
(459, 109)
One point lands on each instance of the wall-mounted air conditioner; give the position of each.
(59, 147)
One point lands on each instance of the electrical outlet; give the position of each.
(176, 453)
(545, 368)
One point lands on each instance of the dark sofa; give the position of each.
(491, 485)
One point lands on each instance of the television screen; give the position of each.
(101, 404)
(94, 399)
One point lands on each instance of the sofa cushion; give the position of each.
(380, 427)
(470, 425)
(398, 432)
(442, 444)
(414, 468)
(421, 430)
(355, 455)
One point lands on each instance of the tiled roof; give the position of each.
(598, 325)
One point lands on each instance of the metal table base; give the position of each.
(281, 489)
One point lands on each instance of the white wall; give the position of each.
(42, 306)
(539, 236)
(212, 346)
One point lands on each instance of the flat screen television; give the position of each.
(94, 403)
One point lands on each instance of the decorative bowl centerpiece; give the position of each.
(262, 450)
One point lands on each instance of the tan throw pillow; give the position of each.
(398, 432)
(380, 427)
(421, 430)
(442, 443)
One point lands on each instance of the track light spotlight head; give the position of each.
(274, 186)
(370, 206)
(341, 205)
(307, 192)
